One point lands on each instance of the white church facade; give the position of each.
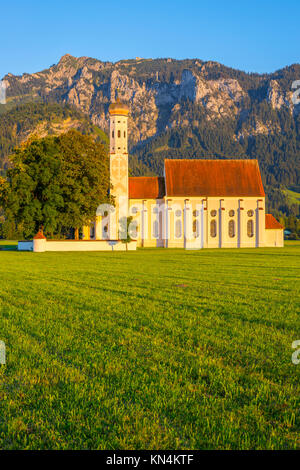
(199, 203)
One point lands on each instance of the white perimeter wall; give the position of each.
(72, 245)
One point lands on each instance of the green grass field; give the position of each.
(151, 349)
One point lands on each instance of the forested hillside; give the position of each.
(24, 121)
(185, 109)
(39, 119)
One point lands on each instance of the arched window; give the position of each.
(119, 133)
(92, 231)
(105, 231)
(124, 133)
(213, 228)
(113, 134)
(178, 229)
(133, 229)
(250, 228)
(160, 217)
(231, 228)
(155, 229)
(196, 228)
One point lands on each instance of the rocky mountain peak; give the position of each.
(155, 90)
(66, 58)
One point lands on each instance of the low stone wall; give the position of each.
(41, 245)
(25, 245)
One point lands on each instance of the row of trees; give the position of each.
(32, 118)
(56, 182)
(292, 225)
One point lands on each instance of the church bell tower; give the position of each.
(118, 114)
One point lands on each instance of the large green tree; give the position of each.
(57, 182)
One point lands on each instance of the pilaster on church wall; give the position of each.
(241, 227)
(261, 221)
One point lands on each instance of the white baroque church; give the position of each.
(198, 203)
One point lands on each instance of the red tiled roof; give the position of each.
(213, 178)
(146, 187)
(272, 223)
(39, 236)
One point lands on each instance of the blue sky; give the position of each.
(256, 36)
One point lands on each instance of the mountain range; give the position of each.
(179, 108)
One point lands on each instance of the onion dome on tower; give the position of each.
(118, 109)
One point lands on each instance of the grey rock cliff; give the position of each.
(155, 91)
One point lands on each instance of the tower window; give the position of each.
(113, 134)
(119, 133)
(124, 134)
